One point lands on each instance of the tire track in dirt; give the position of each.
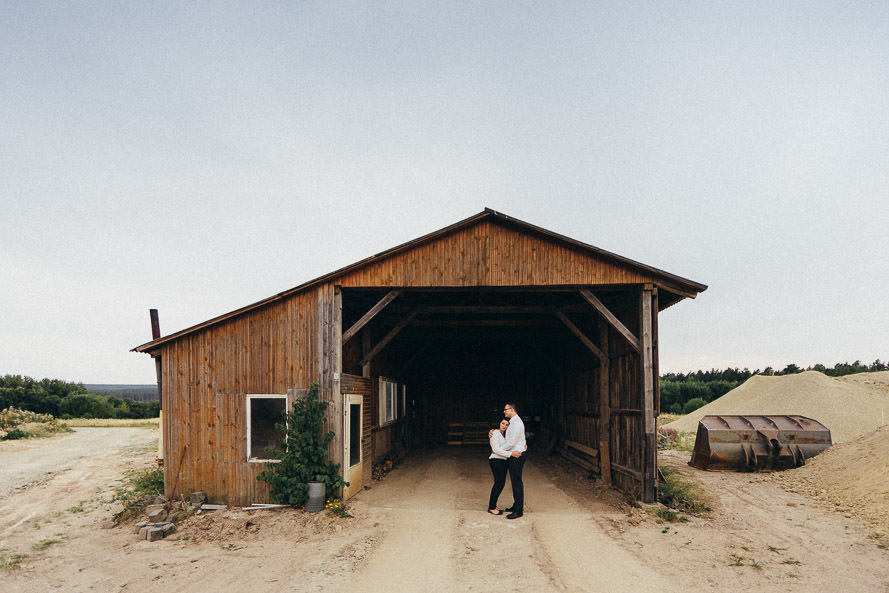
(418, 541)
(440, 537)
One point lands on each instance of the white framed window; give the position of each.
(388, 401)
(264, 411)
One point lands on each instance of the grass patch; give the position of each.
(114, 422)
(679, 492)
(77, 509)
(139, 489)
(9, 561)
(670, 516)
(738, 560)
(44, 544)
(670, 438)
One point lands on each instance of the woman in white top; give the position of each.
(497, 460)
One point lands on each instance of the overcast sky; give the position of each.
(198, 157)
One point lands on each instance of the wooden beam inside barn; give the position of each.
(365, 319)
(610, 317)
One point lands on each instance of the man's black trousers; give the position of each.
(515, 465)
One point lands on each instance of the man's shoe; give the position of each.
(514, 515)
(510, 509)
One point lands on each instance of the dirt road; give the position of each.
(424, 528)
(444, 540)
(30, 462)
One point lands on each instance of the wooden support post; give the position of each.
(365, 319)
(330, 352)
(649, 461)
(610, 317)
(604, 407)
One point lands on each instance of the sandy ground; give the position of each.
(851, 478)
(424, 528)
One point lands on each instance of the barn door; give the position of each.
(352, 429)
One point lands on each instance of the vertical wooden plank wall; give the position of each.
(491, 254)
(206, 378)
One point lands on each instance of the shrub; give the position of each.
(14, 434)
(692, 405)
(303, 453)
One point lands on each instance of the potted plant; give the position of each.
(303, 455)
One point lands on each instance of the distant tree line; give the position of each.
(685, 393)
(68, 400)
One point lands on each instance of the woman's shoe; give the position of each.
(495, 511)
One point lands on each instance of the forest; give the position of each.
(66, 400)
(681, 393)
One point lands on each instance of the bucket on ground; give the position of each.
(316, 497)
(750, 443)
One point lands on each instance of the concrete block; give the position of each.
(197, 498)
(158, 516)
(140, 525)
(154, 533)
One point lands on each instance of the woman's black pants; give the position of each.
(498, 468)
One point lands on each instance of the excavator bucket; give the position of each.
(751, 443)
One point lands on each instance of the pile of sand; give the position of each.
(849, 406)
(852, 478)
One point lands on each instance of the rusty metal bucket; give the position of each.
(750, 443)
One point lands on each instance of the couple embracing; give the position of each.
(508, 455)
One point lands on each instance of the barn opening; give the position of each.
(457, 355)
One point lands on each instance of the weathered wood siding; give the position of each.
(206, 378)
(491, 254)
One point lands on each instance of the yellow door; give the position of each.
(352, 429)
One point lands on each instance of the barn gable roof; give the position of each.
(681, 287)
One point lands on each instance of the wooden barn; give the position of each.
(420, 346)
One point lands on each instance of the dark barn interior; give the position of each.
(463, 353)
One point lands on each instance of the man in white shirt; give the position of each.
(515, 444)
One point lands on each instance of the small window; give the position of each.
(388, 401)
(263, 413)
